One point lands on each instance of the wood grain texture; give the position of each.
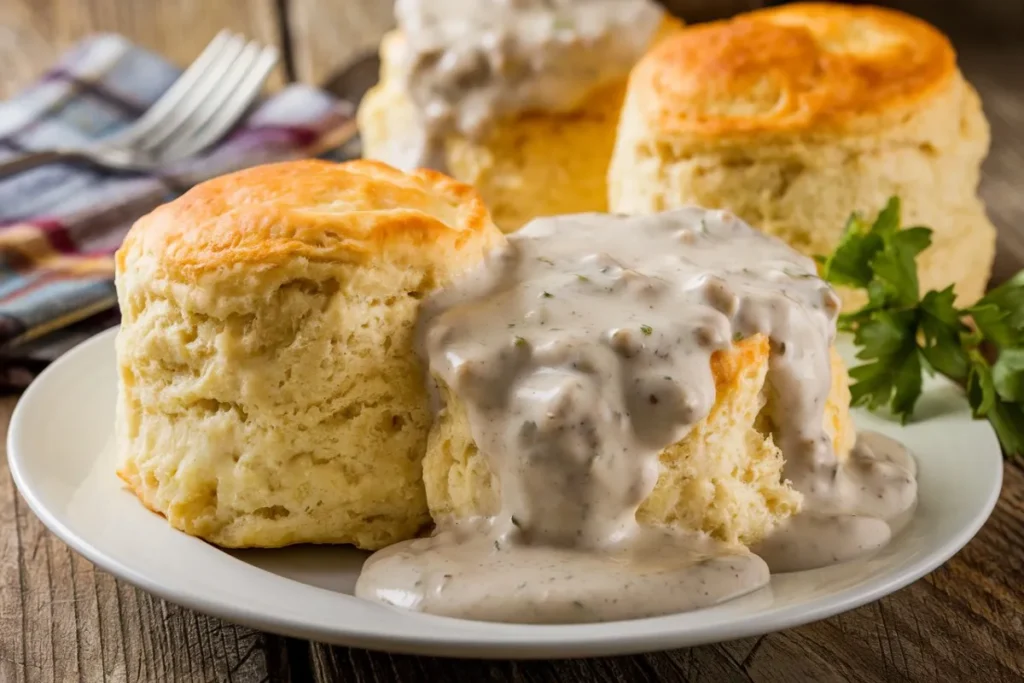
(998, 74)
(712, 663)
(708, 10)
(997, 20)
(327, 34)
(62, 620)
(34, 33)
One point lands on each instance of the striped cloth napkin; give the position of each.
(60, 224)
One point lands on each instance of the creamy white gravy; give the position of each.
(469, 62)
(582, 351)
(848, 510)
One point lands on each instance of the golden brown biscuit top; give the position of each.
(318, 210)
(789, 69)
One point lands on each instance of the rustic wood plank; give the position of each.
(360, 666)
(998, 74)
(12, 607)
(707, 10)
(33, 33)
(997, 20)
(62, 620)
(328, 34)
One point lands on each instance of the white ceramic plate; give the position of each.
(60, 455)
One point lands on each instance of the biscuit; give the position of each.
(537, 164)
(724, 478)
(269, 389)
(796, 116)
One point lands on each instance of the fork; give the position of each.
(199, 107)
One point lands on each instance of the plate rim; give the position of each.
(428, 641)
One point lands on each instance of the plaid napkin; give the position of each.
(60, 224)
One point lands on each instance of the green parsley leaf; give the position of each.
(901, 333)
(940, 306)
(1008, 421)
(848, 322)
(894, 267)
(906, 387)
(1008, 374)
(850, 263)
(1006, 417)
(886, 334)
(999, 315)
(992, 323)
(892, 375)
(941, 328)
(981, 390)
(888, 221)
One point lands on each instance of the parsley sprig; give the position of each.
(901, 333)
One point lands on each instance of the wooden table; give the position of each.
(61, 619)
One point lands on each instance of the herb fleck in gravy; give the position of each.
(580, 352)
(468, 62)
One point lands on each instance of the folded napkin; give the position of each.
(60, 224)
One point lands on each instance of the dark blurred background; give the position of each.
(1001, 20)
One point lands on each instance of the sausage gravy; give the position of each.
(469, 62)
(583, 350)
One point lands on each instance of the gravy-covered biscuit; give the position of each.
(725, 478)
(525, 164)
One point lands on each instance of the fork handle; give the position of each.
(33, 159)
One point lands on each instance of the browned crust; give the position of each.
(728, 366)
(318, 210)
(792, 68)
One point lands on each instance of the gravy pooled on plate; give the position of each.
(583, 350)
(468, 62)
